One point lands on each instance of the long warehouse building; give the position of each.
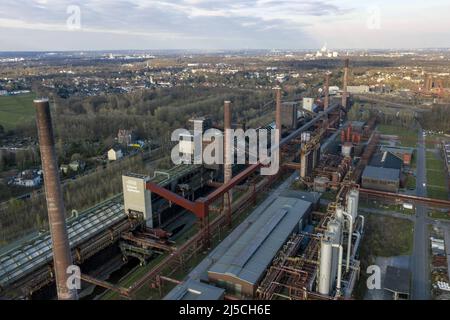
(240, 262)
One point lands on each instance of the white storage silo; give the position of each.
(352, 203)
(326, 252)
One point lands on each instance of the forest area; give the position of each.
(87, 127)
(435, 119)
(151, 113)
(21, 217)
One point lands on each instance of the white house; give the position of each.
(115, 154)
(28, 178)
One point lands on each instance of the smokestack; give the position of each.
(326, 101)
(278, 109)
(227, 168)
(345, 84)
(62, 257)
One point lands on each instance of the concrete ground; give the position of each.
(383, 262)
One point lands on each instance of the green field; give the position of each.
(383, 237)
(436, 214)
(436, 177)
(434, 140)
(408, 137)
(410, 182)
(15, 110)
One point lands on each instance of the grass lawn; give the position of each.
(410, 182)
(408, 137)
(414, 160)
(15, 110)
(436, 177)
(437, 214)
(433, 140)
(383, 237)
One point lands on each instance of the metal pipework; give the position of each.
(62, 257)
(339, 275)
(362, 222)
(326, 101)
(349, 243)
(227, 167)
(345, 84)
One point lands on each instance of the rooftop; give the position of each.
(386, 160)
(378, 173)
(195, 290)
(398, 150)
(397, 280)
(251, 254)
(34, 252)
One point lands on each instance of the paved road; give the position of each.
(447, 248)
(420, 266)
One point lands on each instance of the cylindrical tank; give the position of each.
(339, 214)
(335, 231)
(334, 227)
(326, 252)
(347, 149)
(352, 203)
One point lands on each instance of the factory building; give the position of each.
(383, 179)
(289, 115)
(386, 160)
(358, 89)
(308, 104)
(195, 290)
(403, 153)
(398, 282)
(243, 265)
(241, 260)
(137, 200)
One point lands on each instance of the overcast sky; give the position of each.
(222, 24)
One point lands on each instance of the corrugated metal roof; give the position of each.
(398, 150)
(34, 251)
(37, 251)
(195, 290)
(250, 255)
(381, 173)
(386, 160)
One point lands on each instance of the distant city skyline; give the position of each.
(58, 25)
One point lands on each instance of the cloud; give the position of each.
(206, 23)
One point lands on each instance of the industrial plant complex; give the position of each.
(226, 231)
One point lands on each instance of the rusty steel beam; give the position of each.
(147, 242)
(293, 165)
(193, 207)
(216, 194)
(62, 256)
(432, 201)
(120, 290)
